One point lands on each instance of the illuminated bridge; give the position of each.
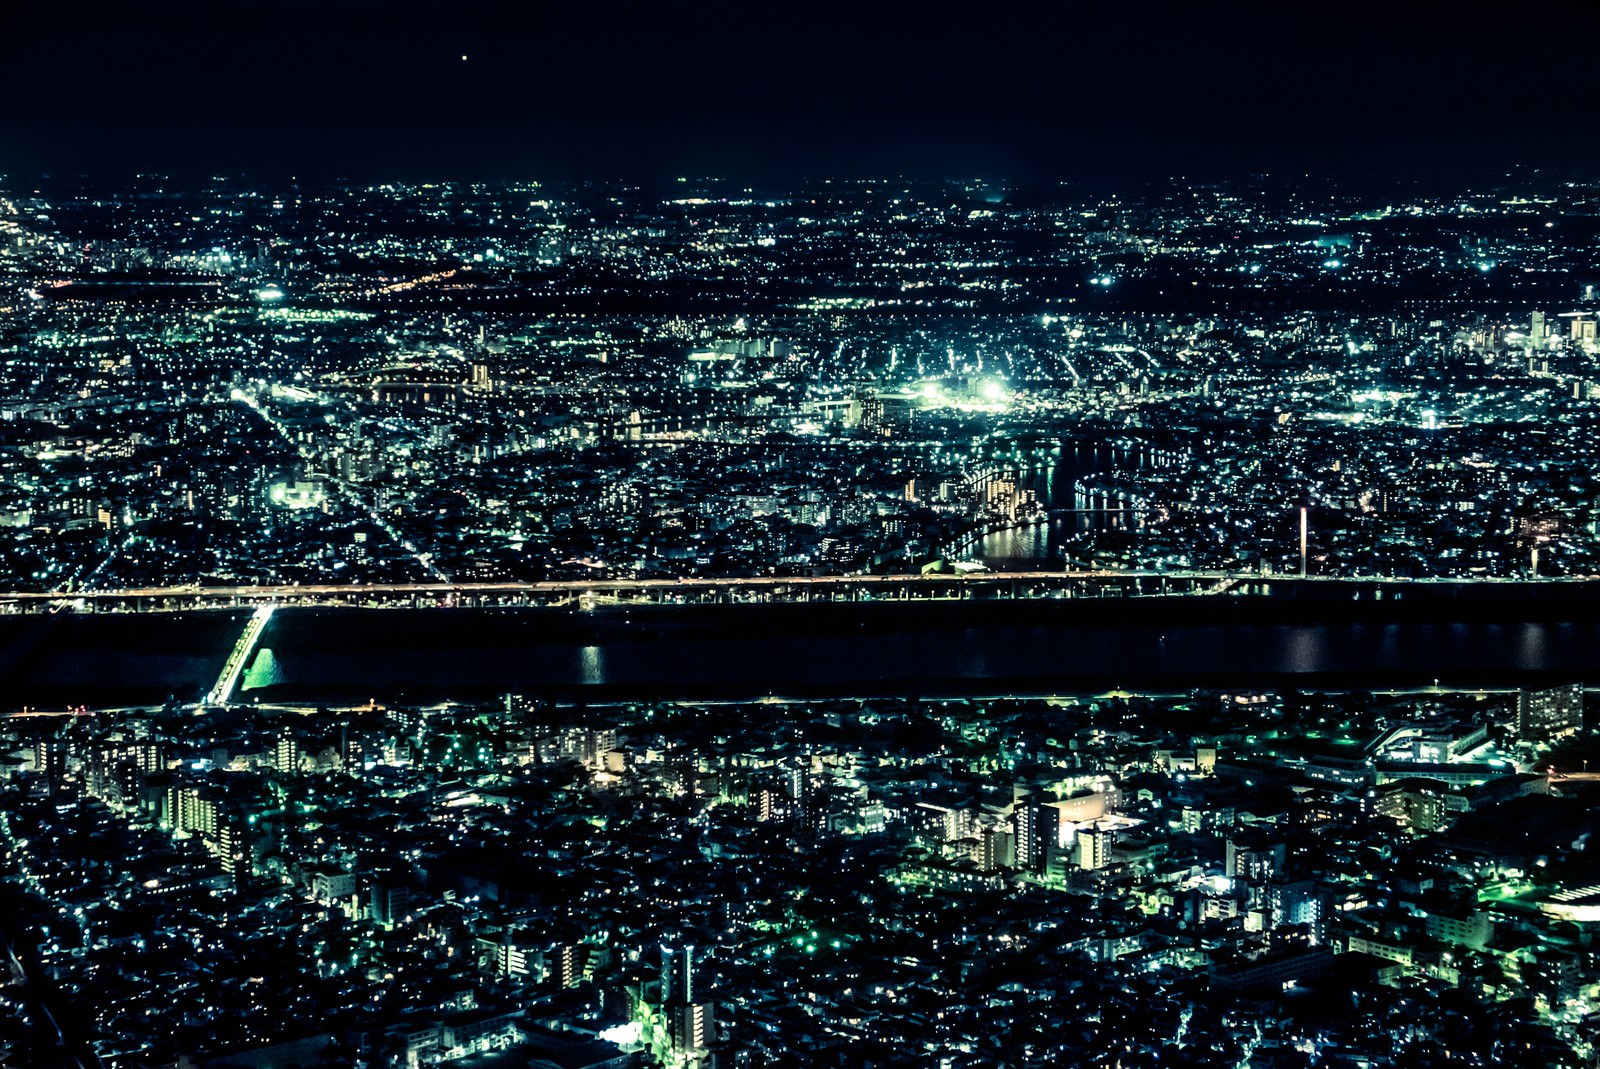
(584, 594)
(240, 655)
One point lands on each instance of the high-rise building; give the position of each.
(389, 902)
(688, 1018)
(233, 850)
(677, 974)
(1536, 329)
(1253, 857)
(481, 382)
(566, 964)
(1545, 714)
(1093, 847)
(1025, 828)
(1301, 905)
(691, 1027)
(143, 755)
(941, 823)
(50, 760)
(286, 755)
(768, 804)
(865, 412)
(995, 849)
(187, 810)
(351, 755)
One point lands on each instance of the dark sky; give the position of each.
(769, 89)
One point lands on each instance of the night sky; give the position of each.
(1047, 90)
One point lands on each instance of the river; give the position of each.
(1166, 644)
(1073, 512)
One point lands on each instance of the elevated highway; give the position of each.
(582, 594)
(587, 593)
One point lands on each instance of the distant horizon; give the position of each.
(1434, 176)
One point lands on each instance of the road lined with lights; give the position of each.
(957, 583)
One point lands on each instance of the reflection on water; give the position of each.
(1082, 653)
(1026, 544)
(1302, 652)
(592, 665)
(1040, 543)
(1071, 513)
(1530, 645)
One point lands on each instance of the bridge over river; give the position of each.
(958, 586)
(986, 633)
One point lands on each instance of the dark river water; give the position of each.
(314, 655)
